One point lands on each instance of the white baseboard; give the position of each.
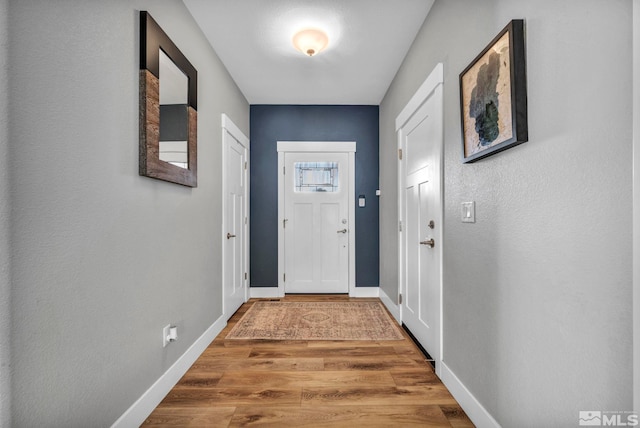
(142, 408)
(391, 306)
(264, 292)
(274, 292)
(364, 292)
(480, 417)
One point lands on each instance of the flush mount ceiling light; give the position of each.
(310, 41)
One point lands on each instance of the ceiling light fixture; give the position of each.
(310, 41)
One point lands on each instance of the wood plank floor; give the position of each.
(237, 383)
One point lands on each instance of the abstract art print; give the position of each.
(493, 96)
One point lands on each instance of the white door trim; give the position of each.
(435, 79)
(229, 127)
(317, 147)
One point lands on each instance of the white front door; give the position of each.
(316, 222)
(235, 220)
(420, 140)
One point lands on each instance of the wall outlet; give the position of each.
(165, 335)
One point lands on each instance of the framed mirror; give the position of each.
(168, 108)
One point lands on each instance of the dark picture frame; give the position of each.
(493, 96)
(152, 40)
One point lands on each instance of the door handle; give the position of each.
(429, 242)
(229, 236)
(342, 231)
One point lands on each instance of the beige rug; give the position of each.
(316, 321)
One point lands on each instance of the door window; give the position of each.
(316, 177)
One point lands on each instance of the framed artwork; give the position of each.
(493, 96)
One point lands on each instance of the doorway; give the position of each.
(316, 239)
(420, 141)
(235, 236)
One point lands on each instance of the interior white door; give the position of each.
(316, 223)
(235, 281)
(420, 140)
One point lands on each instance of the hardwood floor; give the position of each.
(238, 383)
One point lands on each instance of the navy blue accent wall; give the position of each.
(273, 123)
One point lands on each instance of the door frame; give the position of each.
(424, 92)
(348, 147)
(228, 127)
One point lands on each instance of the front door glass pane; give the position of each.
(316, 177)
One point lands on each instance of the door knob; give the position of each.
(342, 231)
(229, 236)
(429, 242)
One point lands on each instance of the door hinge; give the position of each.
(399, 299)
(246, 220)
(245, 276)
(400, 154)
(400, 226)
(283, 170)
(245, 165)
(284, 277)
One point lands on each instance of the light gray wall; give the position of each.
(5, 278)
(537, 293)
(636, 204)
(104, 258)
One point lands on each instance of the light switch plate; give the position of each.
(469, 212)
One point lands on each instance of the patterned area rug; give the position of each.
(316, 321)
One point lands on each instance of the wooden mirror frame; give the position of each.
(152, 39)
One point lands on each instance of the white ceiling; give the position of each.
(368, 40)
